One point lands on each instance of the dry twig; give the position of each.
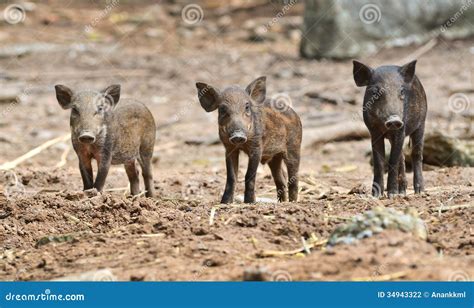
(420, 51)
(211, 216)
(277, 253)
(12, 164)
(386, 277)
(63, 160)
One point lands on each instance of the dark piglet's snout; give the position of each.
(394, 123)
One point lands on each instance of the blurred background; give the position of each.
(157, 50)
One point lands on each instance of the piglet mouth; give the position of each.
(238, 138)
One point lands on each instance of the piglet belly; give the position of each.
(122, 157)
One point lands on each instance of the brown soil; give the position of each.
(170, 237)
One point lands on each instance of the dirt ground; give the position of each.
(183, 233)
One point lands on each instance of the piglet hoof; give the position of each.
(392, 195)
(377, 191)
(91, 192)
(418, 190)
(249, 199)
(225, 200)
(377, 195)
(395, 195)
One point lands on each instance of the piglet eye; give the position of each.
(222, 109)
(75, 111)
(402, 94)
(247, 107)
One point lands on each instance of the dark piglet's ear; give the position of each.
(208, 96)
(64, 96)
(112, 93)
(257, 89)
(362, 73)
(408, 71)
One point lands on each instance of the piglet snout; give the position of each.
(394, 122)
(87, 137)
(238, 137)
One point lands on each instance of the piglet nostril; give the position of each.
(238, 138)
(394, 122)
(86, 138)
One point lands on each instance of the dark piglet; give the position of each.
(265, 131)
(394, 107)
(111, 133)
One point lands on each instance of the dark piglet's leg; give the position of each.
(292, 165)
(393, 163)
(277, 172)
(378, 154)
(85, 166)
(132, 173)
(103, 169)
(254, 160)
(402, 179)
(147, 171)
(417, 159)
(232, 165)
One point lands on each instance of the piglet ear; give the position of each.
(112, 93)
(208, 96)
(257, 89)
(64, 96)
(362, 73)
(408, 71)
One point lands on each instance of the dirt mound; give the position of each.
(47, 235)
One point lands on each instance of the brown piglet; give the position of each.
(266, 131)
(111, 133)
